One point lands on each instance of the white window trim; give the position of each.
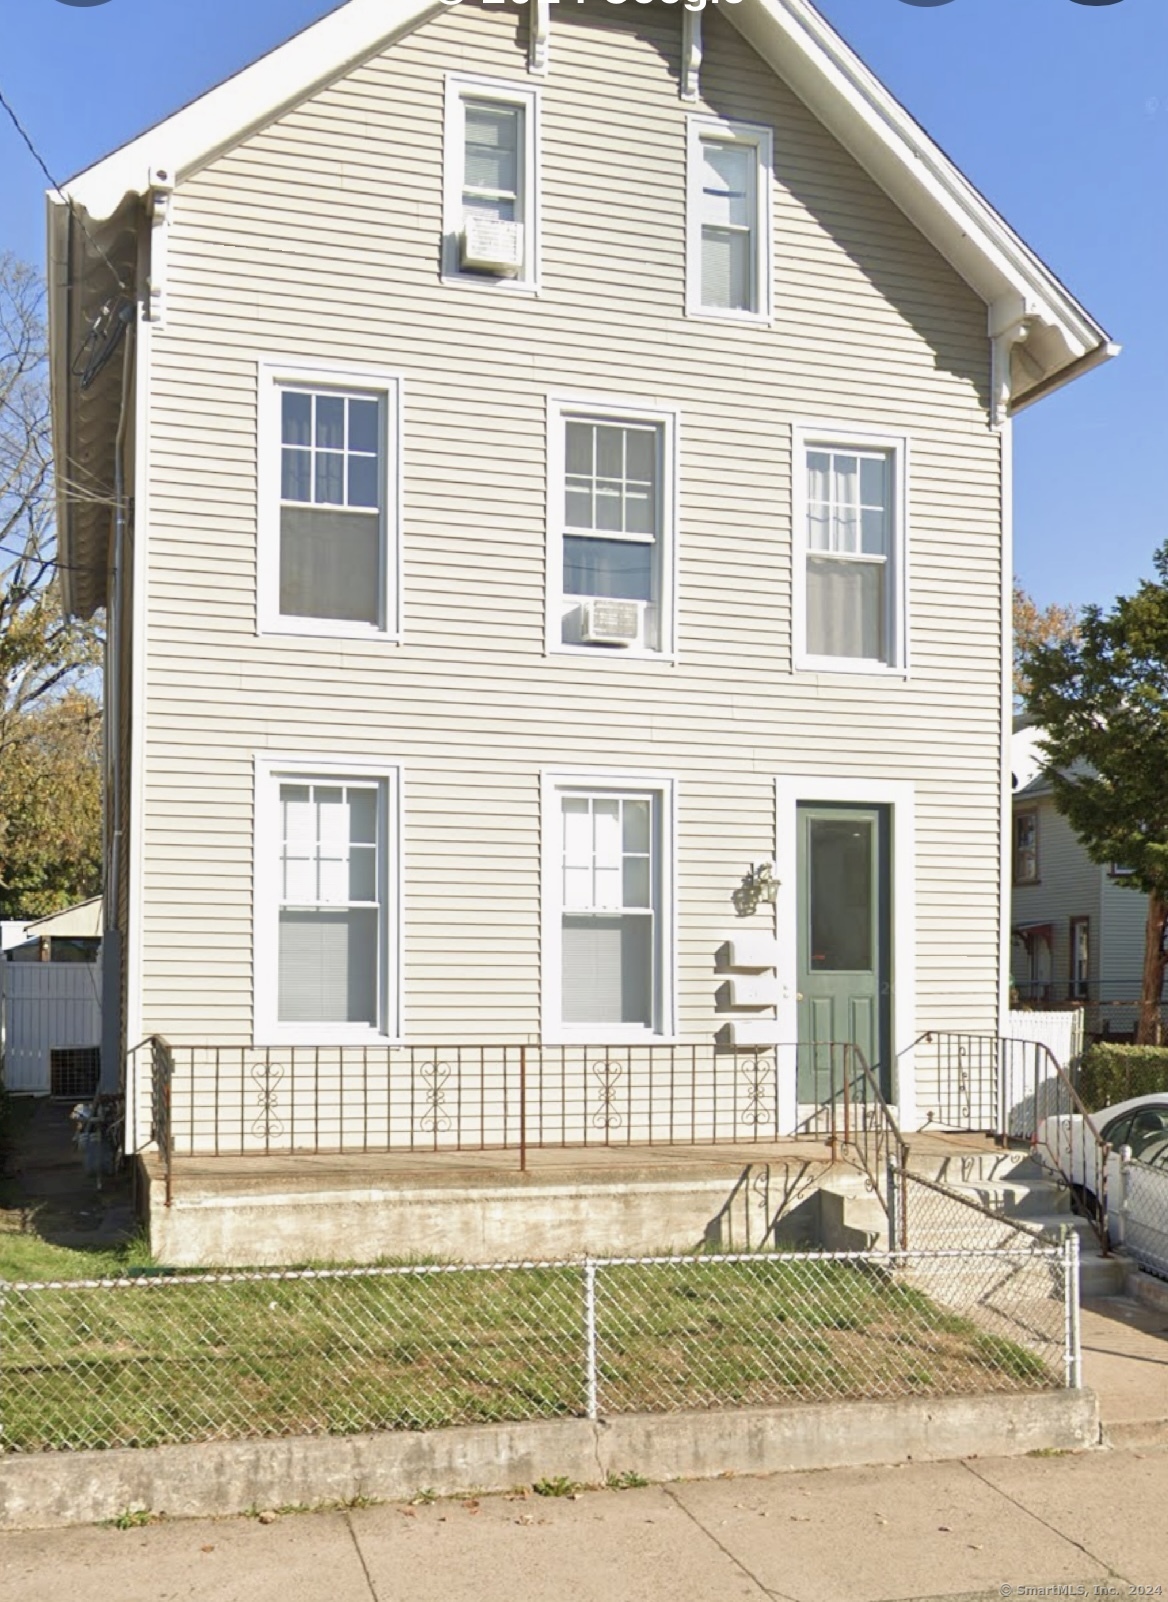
(459, 85)
(270, 770)
(274, 374)
(623, 410)
(553, 1031)
(899, 796)
(811, 436)
(762, 139)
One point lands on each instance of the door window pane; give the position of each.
(841, 895)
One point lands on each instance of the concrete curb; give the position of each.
(219, 1478)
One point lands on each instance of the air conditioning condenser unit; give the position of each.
(490, 245)
(612, 623)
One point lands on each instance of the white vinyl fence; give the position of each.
(47, 1007)
(1030, 1088)
(1060, 1032)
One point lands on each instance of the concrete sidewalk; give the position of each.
(1125, 1362)
(952, 1531)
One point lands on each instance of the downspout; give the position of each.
(1001, 422)
(113, 1073)
(115, 622)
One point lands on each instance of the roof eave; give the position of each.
(251, 98)
(852, 103)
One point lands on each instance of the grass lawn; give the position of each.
(27, 1257)
(24, 1255)
(169, 1360)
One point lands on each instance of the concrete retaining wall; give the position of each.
(242, 1226)
(226, 1477)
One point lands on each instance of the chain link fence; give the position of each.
(1012, 1304)
(1138, 1217)
(935, 1216)
(155, 1361)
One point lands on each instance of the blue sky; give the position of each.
(1058, 111)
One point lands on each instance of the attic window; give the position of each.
(729, 220)
(491, 187)
(1026, 848)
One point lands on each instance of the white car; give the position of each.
(1066, 1147)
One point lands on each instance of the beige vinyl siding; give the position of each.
(320, 237)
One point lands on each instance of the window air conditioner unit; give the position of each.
(492, 246)
(612, 623)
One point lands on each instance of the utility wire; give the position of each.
(56, 187)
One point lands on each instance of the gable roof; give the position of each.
(790, 35)
(1043, 336)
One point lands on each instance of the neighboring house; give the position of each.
(50, 1006)
(71, 935)
(1077, 932)
(560, 456)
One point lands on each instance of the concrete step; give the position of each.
(1030, 1199)
(1053, 1224)
(1101, 1276)
(946, 1167)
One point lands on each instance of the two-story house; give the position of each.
(541, 462)
(1078, 926)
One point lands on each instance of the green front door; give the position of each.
(844, 945)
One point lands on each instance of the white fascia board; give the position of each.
(933, 193)
(225, 114)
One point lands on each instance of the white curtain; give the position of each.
(845, 608)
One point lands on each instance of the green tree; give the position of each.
(50, 807)
(1101, 696)
(48, 664)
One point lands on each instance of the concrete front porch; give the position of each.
(288, 1209)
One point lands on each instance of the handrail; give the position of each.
(869, 1128)
(881, 1169)
(161, 1107)
(1058, 1075)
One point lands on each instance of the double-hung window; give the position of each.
(612, 529)
(729, 247)
(849, 553)
(1080, 959)
(491, 183)
(1026, 847)
(327, 925)
(328, 537)
(608, 909)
